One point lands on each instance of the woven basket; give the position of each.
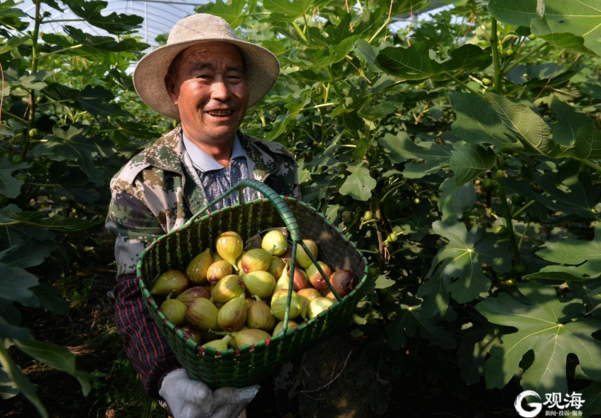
(251, 364)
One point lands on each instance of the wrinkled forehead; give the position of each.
(208, 53)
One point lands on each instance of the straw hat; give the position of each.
(262, 67)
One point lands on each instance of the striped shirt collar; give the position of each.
(203, 161)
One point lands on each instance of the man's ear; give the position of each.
(171, 87)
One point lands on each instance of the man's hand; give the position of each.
(193, 399)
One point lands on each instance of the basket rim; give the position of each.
(230, 353)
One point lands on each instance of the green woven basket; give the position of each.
(251, 364)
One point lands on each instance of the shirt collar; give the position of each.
(203, 161)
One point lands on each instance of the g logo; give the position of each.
(536, 405)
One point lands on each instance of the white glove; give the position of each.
(193, 399)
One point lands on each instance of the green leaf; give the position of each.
(383, 282)
(56, 222)
(50, 298)
(11, 331)
(565, 24)
(408, 320)
(10, 186)
(104, 43)
(530, 129)
(569, 122)
(588, 143)
(478, 123)
(581, 259)
(324, 57)
(287, 11)
(232, 12)
(592, 394)
(71, 145)
(113, 23)
(469, 161)
(59, 358)
(92, 99)
(13, 42)
(28, 254)
(359, 183)
(552, 329)
(415, 63)
(455, 200)
(15, 283)
(474, 350)
(24, 385)
(457, 267)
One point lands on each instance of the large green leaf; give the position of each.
(474, 350)
(581, 260)
(569, 122)
(71, 145)
(478, 123)
(10, 186)
(359, 183)
(286, 10)
(231, 11)
(588, 143)
(326, 56)
(401, 148)
(552, 329)
(28, 254)
(410, 319)
(468, 161)
(24, 385)
(15, 283)
(13, 42)
(104, 43)
(565, 24)
(454, 200)
(415, 62)
(113, 23)
(59, 358)
(457, 267)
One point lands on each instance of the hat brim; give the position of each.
(261, 65)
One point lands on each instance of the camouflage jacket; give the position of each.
(159, 190)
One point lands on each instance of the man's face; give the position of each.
(209, 87)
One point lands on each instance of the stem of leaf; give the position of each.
(393, 188)
(34, 70)
(300, 32)
(42, 56)
(494, 40)
(523, 235)
(465, 86)
(383, 26)
(14, 116)
(523, 208)
(590, 164)
(508, 221)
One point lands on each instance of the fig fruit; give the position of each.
(250, 336)
(276, 267)
(216, 257)
(344, 281)
(319, 305)
(278, 304)
(218, 270)
(280, 326)
(168, 281)
(174, 310)
(197, 269)
(306, 296)
(287, 256)
(256, 259)
(299, 281)
(192, 334)
(229, 246)
(259, 316)
(188, 295)
(301, 256)
(219, 345)
(315, 276)
(202, 314)
(368, 215)
(228, 288)
(275, 241)
(232, 316)
(259, 283)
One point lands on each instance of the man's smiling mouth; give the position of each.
(220, 112)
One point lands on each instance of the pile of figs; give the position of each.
(231, 298)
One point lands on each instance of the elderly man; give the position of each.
(206, 78)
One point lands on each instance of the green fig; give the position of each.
(219, 345)
(218, 270)
(301, 256)
(232, 316)
(306, 296)
(250, 336)
(188, 295)
(168, 281)
(280, 326)
(229, 246)
(315, 276)
(259, 316)
(276, 267)
(278, 304)
(275, 241)
(197, 269)
(256, 259)
(202, 314)
(259, 283)
(192, 334)
(174, 310)
(228, 288)
(319, 305)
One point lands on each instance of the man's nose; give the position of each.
(220, 90)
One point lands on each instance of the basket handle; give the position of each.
(291, 224)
